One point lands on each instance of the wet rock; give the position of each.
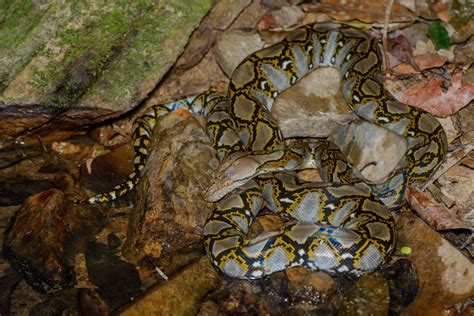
(44, 236)
(221, 16)
(11, 157)
(31, 172)
(6, 213)
(64, 302)
(445, 274)
(309, 290)
(80, 63)
(172, 264)
(9, 278)
(24, 298)
(234, 46)
(250, 16)
(181, 295)
(403, 284)
(270, 297)
(117, 281)
(318, 281)
(14, 191)
(88, 304)
(306, 111)
(202, 77)
(113, 242)
(8, 282)
(249, 298)
(370, 296)
(285, 18)
(170, 212)
(364, 143)
(225, 12)
(108, 170)
(208, 308)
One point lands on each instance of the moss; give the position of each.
(19, 18)
(4, 5)
(108, 50)
(157, 27)
(87, 50)
(96, 38)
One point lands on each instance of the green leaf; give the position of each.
(439, 35)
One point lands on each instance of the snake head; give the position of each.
(231, 174)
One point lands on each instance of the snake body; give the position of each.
(341, 225)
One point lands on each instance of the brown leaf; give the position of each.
(400, 48)
(430, 96)
(363, 10)
(421, 62)
(435, 214)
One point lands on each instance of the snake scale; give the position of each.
(343, 224)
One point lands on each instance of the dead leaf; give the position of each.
(400, 48)
(464, 33)
(435, 214)
(363, 10)
(442, 11)
(451, 160)
(421, 63)
(430, 96)
(458, 185)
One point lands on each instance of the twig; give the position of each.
(386, 19)
(161, 273)
(158, 270)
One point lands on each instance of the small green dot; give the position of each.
(405, 250)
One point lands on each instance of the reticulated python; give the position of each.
(343, 224)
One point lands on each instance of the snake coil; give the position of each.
(341, 225)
